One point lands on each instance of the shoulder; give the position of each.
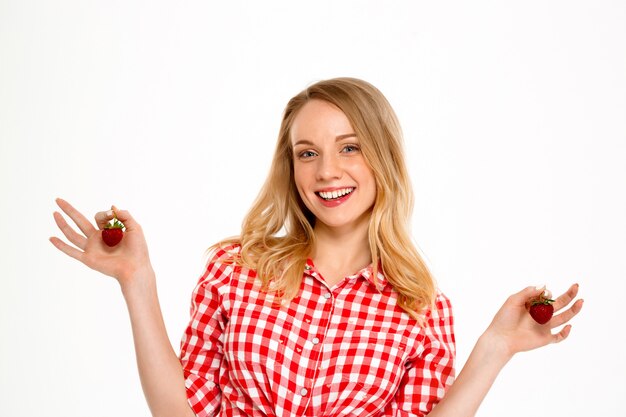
(223, 253)
(220, 264)
(225, 268)
(440, 316)
(443, 305)
(214, 284)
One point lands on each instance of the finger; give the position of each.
(71, 235)
(524, 295)
(103, 217)
(567, 315)
(125, 217)
(562, 335)
(566, 298)
(67, 249)
(81, 221)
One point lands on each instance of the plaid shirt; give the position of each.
(342, 351)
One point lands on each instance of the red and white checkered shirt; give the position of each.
(348, 350)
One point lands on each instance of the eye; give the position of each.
(351, 148)
(306, 154)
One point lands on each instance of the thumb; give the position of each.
(125, 217)
(524, 295)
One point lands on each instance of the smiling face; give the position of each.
(332, 177)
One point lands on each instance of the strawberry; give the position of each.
(113, 232)
(541, 308)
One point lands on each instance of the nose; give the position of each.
(329, 168)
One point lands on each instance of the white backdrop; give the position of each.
(515, 121)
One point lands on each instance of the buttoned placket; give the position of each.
(315, 377)
(326, 302)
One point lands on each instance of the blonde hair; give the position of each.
(277, 233)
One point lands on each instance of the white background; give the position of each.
(515, 121)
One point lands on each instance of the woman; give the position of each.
(322, 305)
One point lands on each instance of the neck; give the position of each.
(342, 249)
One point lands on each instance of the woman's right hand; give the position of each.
(122, 262)
(160, 370)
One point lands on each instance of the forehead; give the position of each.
(319, 119)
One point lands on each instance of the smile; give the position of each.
(335, 194)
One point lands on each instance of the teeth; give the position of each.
(328, 195)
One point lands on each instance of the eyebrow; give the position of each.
(337, 139)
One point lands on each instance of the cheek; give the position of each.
(368, 181)
(300, 177)
(364, 174)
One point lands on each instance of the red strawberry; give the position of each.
(113, 232)
(541, 309)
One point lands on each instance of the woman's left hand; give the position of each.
(514, 330)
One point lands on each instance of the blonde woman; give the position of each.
(322, 306)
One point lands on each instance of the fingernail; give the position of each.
(540, 287)
(109, 213)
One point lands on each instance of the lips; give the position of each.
(335, 194)
(333, 198)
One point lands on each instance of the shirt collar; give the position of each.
(379, 281)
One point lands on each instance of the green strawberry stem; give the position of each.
(115, 224)
(541, 300)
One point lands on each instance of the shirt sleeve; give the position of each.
(430, 374)
(202, 343)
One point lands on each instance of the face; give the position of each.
(332, 177)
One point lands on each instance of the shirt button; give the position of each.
(327, 295)
(304, 392)
(315, 340)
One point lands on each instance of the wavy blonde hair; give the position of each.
(277, 233)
